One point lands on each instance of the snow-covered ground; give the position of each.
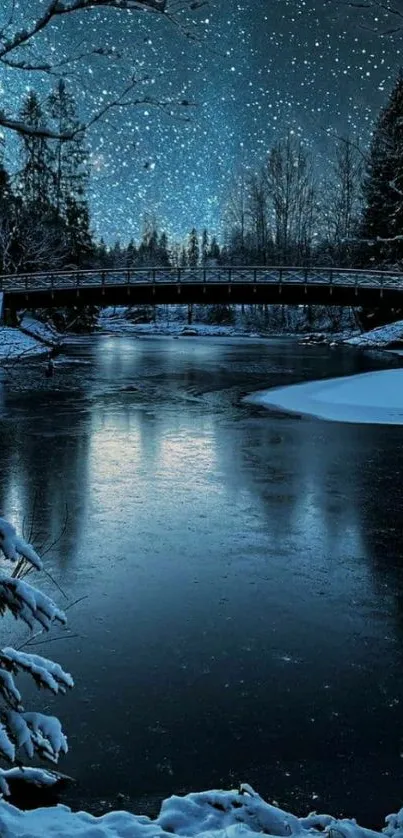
(213, 814)
(374, 398)
(247, 321)
(379, 338)
(14, 345)
(33, 339)
(120, 325)
(44, 332)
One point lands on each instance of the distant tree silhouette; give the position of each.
(193, 249)
(382, 223)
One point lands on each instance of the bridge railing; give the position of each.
(278, 275)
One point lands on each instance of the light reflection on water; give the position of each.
(243, 571)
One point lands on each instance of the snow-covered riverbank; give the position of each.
(213, 814)
(33, 340)
(119, 325)
(15, 345)
(241, 322)
(382, 337)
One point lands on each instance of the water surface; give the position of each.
(243, 572)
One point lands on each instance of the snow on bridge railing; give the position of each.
(278, 275)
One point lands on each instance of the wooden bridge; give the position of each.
(206, 285)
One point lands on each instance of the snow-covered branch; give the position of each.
(27, 603)
(46, 673)
(32, 734)
(15, 547)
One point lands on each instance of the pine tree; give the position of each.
(79, 241)
(183, 260)
(70, 174)
(163, 251)
(6, 193)
(27, 734)
(205, 246)
(214, 252)
(102, 254)
(118, 257)
(148, 249)
(8, 229)
(383, 184)
(69, 157)
(131, 254)
(36, 173)
(193, 249)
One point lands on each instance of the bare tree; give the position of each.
(17, 51)
(291, 195)
(28, 243)
(258, 215)
(236, 215)
(344, 202)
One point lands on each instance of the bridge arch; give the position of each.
(206, 285)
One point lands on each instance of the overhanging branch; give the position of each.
(57, 8)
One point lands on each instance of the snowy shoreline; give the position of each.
(369, 398)
(17, 346)
(121, 326)
(211, 814)
(31, 340)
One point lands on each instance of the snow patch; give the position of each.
(373, 397)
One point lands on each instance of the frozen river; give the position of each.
(243, 572)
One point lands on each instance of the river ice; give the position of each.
(371, 398)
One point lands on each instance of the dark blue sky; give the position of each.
(257, 69)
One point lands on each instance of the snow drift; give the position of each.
(211, 814)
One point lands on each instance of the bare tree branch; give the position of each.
(56, 9)
(386, 9)
(12, 45)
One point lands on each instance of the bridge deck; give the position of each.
(218, 284)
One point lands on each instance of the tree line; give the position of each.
(44, 213)
(281, 213)
(285, 213)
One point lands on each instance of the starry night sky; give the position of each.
(257, 69)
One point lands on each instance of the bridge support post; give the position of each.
(10, 317)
